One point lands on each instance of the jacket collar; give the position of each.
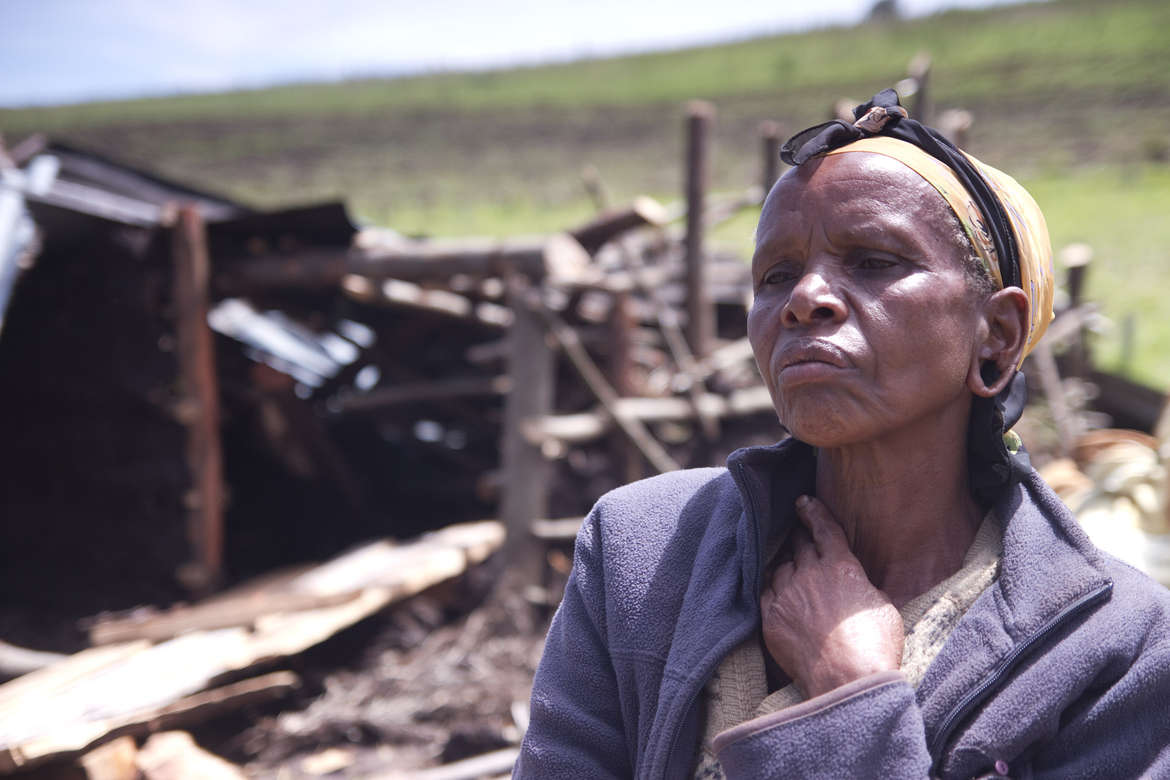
(770, 479)
(1048, 560)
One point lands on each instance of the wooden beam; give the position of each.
(437, 390)
(586, 426)
(395, 292)
(700, 314)
(612, 223)
(195, 347)
(558, 256)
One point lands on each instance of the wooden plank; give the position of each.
(397, 570)
(558, 256)
(158, 626)
(195, 348)
(66, 707)
(700, 314)
(395, 292)
(47, 680)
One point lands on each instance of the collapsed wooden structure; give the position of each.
(199, 392)
(194, 384)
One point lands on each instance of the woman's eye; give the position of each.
(875, 262)
(778, 275)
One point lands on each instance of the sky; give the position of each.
(60, 51)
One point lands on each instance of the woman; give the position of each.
(892, 591)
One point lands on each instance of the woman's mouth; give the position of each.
(809, 360)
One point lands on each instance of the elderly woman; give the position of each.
(892, 591)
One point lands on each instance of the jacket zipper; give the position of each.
(989, 683)
(750, 508)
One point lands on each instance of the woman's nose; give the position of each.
(812, 301)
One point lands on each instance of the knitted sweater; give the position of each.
(738, 691)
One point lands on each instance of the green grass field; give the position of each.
(1072, 97)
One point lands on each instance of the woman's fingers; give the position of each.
(827, 534)
(804, 551)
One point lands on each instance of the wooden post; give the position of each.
(700, 313)
(1076, 259)
(527, 473)
(200, 401)
(919, 70)
(621, 375)
(621, 362)
(770, 135)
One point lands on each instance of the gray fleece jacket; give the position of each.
(1061, 668)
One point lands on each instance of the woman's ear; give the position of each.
(1002, 336)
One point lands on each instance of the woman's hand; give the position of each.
(823, 622)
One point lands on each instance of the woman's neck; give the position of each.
(905, 505)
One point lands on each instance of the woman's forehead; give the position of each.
(844, 189)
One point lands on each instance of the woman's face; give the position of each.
(864, 322)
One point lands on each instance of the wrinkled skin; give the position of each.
(870, 339)
(853, 259)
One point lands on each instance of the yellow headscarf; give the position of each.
(1031, 231)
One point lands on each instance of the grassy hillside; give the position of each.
(1073, 97)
